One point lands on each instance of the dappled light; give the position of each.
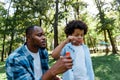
(107, 67)
(102, 38)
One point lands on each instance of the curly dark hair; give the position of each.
(75, 24)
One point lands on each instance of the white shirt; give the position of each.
(79, 67)
(37, 64)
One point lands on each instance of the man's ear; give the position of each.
(28, 37)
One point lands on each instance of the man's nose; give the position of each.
(43, 37)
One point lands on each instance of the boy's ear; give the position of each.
(68, 35)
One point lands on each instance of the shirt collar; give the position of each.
(27, 54)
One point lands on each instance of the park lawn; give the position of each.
(105, 67)
(2, 71)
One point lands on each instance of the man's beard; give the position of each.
(41, 47)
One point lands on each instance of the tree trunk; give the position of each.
(114, 49)
(92, 43)
(65, 11)
(106, 45)
(3, 49)
(77, 11)
(40, 22)
(11, 43)
(56, 25)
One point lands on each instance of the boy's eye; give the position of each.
(76, 35)
(79, 35)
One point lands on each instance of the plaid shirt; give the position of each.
(19, 65)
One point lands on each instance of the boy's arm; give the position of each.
(57, 50)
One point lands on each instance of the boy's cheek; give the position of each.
(80, 41)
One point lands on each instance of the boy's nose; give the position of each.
(80, 37)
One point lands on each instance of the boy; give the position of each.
(82, 65)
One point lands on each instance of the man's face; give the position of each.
(37, 38)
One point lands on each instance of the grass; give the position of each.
(2, 71)
(105, 67)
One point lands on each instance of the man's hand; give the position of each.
(61, 65)
(56, 78)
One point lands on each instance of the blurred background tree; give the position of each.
(101, 16)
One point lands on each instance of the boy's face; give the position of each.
(79, 34)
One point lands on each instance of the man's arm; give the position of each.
(61, 65)
(15, 70)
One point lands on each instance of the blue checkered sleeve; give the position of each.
(17, 69)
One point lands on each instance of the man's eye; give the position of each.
(39, 35)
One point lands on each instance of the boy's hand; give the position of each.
(75, 40)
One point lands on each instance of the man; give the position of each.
(30, 61)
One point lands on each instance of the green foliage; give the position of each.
(3, 12)
(41, 12)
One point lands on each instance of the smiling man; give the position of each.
(30, 61)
